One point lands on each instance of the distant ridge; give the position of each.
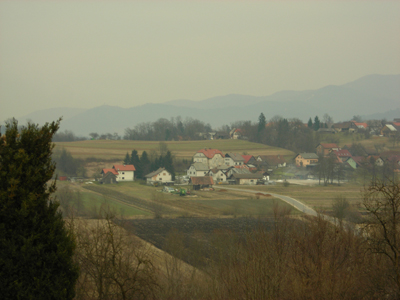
(366, 96)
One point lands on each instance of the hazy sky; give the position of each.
(127, 53)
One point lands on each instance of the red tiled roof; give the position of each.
(247, 158)
(365, 125)
(329, 146)
(342, 153)
(396, 123)
(105, 171)
(209, 153)
(124, 167)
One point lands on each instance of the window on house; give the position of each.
(205, 173)
(123, 177)
(160, 178)
(123, 173)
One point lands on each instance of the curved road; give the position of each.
(293, 202)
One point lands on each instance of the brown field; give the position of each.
(109, 150)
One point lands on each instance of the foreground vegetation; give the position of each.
(279, 258)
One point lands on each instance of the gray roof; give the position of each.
(235, 156)
(200, 166)
(308, 155)
(240, 171)
(155, 173)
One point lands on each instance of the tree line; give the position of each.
(167, 130)
(146, 164)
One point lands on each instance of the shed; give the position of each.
(201, 182)
(109, 178)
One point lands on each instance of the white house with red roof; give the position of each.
(210, 157)
(122, 172)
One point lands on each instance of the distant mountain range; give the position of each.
(372, 96)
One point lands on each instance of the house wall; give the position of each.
(126, 176)
(163, 176)
(243, 181)
(218, 177)
(193, 172)
(201, 158)
(216, 161)
(300, 161)
(230, 162)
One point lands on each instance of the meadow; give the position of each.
(111, 149)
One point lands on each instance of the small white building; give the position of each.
(161, 175)
(197, 169)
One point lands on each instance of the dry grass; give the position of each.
(317, 197)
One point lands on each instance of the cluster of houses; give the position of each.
(343, 156)
(211, 166)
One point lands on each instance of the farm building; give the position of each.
(109, 178)
(161, 176)
(246, 179)
(202, 182)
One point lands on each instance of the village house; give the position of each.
(161, 176)
(305, 159)
(233, 159)
(249, 159)
(197, 169)
(218, 175)
(325, 149)
(210, 157)
(121, 172)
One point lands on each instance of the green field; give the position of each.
(94, 202)
(108, 149)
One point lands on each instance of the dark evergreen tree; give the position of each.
(135, 161)
(261, 127)
(316, 123)
(127, 159)
(144, 164)
(168, 162)
(36, 249)
(310, 123)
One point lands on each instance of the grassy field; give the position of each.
(318, 197)
(108, 149)
(93, 202)
(132, 199)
